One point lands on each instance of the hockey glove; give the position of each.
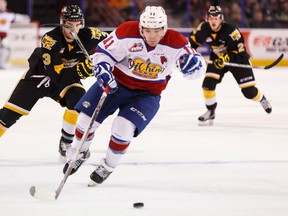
(103, 73)
(189, 64)
(84, 69)
(219, 63)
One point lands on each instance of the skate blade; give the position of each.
(62, 159)
(92, 183)
(206, 123)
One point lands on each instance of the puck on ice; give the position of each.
(138, 205)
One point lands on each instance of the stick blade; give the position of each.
(43, 194)
(275, 62)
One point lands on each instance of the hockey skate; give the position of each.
(100, 174)
(64, 144)
(63, 147)
(266, 105)
(207, 118)
(83, 156)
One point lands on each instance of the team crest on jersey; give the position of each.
(136, 47)
(235, 35)
(48, 42)
(96, 33)
(144, 69)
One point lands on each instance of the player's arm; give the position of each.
(92, 37)
(197, 36)
(235, 50)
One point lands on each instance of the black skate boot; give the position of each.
(208, 117)
(83, 156)
(100, 174)
(64, 144)
(266, 105)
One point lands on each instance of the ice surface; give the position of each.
(238, 167)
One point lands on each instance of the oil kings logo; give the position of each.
(136, 47)
(48, 42)
(144, 69)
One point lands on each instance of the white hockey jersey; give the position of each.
(137, 65)
(7, 17)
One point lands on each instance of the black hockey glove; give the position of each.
(84, 69)
(219, 63)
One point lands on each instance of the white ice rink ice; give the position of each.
(238, 167)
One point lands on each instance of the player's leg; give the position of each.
(86, 106)
(122, 132)
(69, 99)
(21, 101)
(130, 122)
(247, 83)
(209, 93)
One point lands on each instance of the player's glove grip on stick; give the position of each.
(219, 63)
(103, 73)
(84, 69)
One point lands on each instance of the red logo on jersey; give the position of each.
(163, 59)
(136, 47)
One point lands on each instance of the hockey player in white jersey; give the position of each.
(136, 61)
(6, 18)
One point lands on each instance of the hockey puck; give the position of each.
(138, 205)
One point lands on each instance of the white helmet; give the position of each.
(153, 17)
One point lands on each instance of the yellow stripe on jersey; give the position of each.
(58, 68)
(16, 108)
(247, 84)
(64, 91)
(212, 75)
(193, 38)
(2, 130)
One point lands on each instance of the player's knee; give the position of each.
(209, 83)
(250, 92)
(72, 96)
(8, 117)
(123, 129)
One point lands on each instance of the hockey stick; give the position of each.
(252, 66)
(53, 195)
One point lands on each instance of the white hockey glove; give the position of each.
(191, 65)
(103, 72)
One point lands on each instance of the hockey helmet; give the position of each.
(215, 11)
(71, 13)
(153, 17)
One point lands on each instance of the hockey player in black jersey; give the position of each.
(227, 45)
(55, 70)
